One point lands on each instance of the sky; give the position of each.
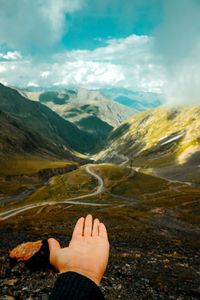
(141, 45)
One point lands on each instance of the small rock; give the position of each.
(119, 287)
(128, 266)
(10, 282)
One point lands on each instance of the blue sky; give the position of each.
(111, 19)
(141, 45)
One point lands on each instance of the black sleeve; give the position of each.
(73, 286)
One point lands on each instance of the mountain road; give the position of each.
(100, 187)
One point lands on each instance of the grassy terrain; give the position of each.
(28, 165)
(112, 173)
(65, 186)
(59, 188)
(18, 174)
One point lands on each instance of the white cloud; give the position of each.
(3, 82)
(11, 55)
(32, 84)
(126, 62)
(30, 24)
(44, 74)
(2, 68)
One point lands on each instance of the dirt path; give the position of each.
(13, 212)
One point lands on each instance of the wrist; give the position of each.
(91, 275)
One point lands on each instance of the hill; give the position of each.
(90, 110)
(37, 128)
(163, 141)
(75, 105)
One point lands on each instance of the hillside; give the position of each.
(163, 141)
(37, 128)
(90, 110)
(82, 103)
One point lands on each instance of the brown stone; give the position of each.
(25, 251)
(34, 254)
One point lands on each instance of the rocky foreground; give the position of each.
(139, 268)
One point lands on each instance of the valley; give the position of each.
(142, 181)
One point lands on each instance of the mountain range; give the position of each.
(89, 110)
(162, 141)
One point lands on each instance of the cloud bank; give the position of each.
(126, 62)
(177, 43)
(25, 25)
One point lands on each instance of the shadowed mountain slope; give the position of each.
(82, 103)
(90, 110)
(41, 128)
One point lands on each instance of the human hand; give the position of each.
(87, 253)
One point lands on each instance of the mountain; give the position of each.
(137, 100)
(90, 110)
(28, 126)
(75, 105)
(164, 141)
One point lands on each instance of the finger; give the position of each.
(54, 247)
(103, 231)
(88, 226)
(78, 229)
(95, 230)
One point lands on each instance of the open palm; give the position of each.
(87, 253)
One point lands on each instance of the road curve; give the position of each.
(100, 187)
(13, 212)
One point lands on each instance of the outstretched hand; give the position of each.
(87, 253)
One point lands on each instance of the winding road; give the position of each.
(16, 211)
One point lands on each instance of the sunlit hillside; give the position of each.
(158, 139)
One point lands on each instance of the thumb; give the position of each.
(54, 247)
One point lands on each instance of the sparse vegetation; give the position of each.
(19, 165)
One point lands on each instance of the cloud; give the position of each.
(10, 55)
(125, 62)
(32, 84)
(44, 74)
(2, 68)
(34, 24)
(177, 43)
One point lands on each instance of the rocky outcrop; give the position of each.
(45, 174)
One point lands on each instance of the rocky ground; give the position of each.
(144, 262)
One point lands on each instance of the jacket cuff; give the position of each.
(73, 286)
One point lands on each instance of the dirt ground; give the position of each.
(154, 253)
